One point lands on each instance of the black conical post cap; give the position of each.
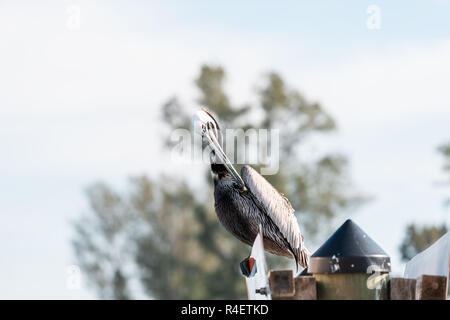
(349, 250)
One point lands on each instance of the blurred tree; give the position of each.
(419, 238)
(99, 242)
(173, 236)
(445, 151)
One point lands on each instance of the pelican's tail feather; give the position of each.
(303, 256)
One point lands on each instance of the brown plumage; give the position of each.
(241, 212)
(245, 202)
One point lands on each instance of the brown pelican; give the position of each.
(245, 202)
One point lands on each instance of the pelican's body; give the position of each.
(241, 214)
(246, 202)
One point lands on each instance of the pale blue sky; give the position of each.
(78, 107)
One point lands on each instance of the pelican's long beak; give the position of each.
(204, 123)
(210, 135)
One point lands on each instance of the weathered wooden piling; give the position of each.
(402, 289)
(284, 286)
(431, 288)
(281, 284)
(350, 265)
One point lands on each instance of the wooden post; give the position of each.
(352, 286)
(350, 265)
(431, 288)
(305, 288)
(402, 289)
(281, 284)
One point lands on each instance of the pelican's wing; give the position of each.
(275, 205)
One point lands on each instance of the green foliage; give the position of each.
(173, 239)
(211, 83)
(99, 242)
(445, 151)
(418, 239)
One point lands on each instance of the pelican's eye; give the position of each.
(211, 125)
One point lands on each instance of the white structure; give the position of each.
(433, 261)
(259, 280)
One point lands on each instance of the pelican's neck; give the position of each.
(219, 171)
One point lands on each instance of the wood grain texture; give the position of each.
(431, 287)
(281, 283)
(402, 289)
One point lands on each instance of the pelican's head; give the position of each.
(204, 122)
(206, 125)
